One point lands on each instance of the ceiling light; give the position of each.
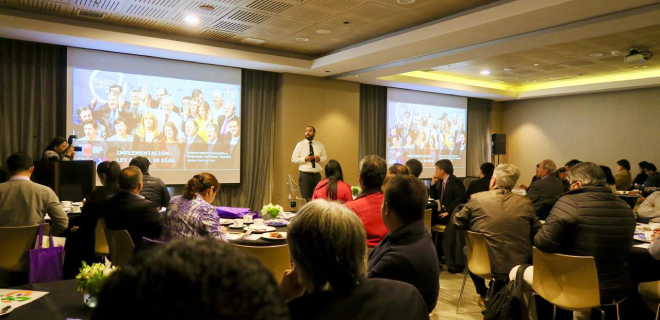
(323, 31)
(597, 54)
(485, 72)
(405, 1)
(536, 64)
(508, 69)
(252, 41)
(641, 67)
(206, 8)
(302, 39)
(356, 75)
(616, 53)
(191, 19)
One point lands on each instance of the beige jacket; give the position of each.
(24, 203)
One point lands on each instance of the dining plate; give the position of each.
(235, 227)
(277, 222)
(260, 229)
(225, 222)
(271, 236)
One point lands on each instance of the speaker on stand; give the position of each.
(498, 145)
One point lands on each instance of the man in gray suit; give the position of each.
(546, 190)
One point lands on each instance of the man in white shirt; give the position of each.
(25, 203)
(650, 208)
(309, 154)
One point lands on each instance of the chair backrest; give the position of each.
(101, 243)
(14, 243)
(294, 189)
(274, 258)
(120, 246)
(478, 260)
(427, 218)
(569, 282)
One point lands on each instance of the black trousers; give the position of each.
(307, 181)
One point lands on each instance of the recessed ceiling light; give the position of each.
(485, 72)
(302, 39)
(323, 31)
(191, 19)
(616, 53)
(508, 69)
(536, 64)
(252, 41)
(405, 1)
(597, 54)
(356, 75)
(206, 8)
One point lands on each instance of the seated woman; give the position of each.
(58, 150)
(333, 187)
(327, 245)
(192, 215)
(80, 244)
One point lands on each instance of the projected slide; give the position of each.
(178, 124)
(427, 130)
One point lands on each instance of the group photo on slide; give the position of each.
(175, 123)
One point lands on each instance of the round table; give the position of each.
(63, 301)
(260, 242)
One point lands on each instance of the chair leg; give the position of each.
(554, 312)
(618, 316)
(465, 274)
(657, 312)
(602, 312)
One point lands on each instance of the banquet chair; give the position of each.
(294, 189)
(120, 246)
(477, 260)
(427, 219)
(100, 243)
(568, 282)
(14, 243)
(274, 258)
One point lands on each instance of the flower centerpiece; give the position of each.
(271, 211)
(355, 190)
(90, 280)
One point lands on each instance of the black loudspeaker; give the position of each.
(498, 143)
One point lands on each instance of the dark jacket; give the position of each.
(508, 223)
(640, 178)
(653, 180)
(408, 255)
(480, 185)
(544, 193)
(131, 212)
(155, 190)
(454, 195)
(374, 299)
(592, 221)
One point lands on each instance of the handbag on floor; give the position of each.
(509, 303)
(46, 263)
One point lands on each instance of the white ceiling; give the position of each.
(508, 33)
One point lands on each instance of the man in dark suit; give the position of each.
(407, 253)
(483, 184)
(224, 121)
(129, 211)
(546, 190)
(448, 189)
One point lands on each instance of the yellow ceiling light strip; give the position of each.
(459, 80)
(631, 75)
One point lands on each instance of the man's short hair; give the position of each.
(624, 163)
(407, 196)
(312, 128)
(651, 167)
(446, 165)
(506, 176)
(487, 169)
(140, 162)
(130, 178)
(19, 162)
(208, 279)
(81, 109)
(415, 167)
(373, 170)
(549, 165)
(572, 163)
(328, 245)
(589, 173)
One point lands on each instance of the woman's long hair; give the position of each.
(54, 143)
(111, 170)
(199, 184)
(334, 174)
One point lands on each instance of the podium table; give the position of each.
(71, 180)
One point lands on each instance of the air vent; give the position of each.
(146, 12)
(269, 6)
(232, 27)
(249, 17)
(109, 5)
(219, 35)
(161, 3)
(137, 22)
(91, 14)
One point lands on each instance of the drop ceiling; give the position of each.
(277, 22)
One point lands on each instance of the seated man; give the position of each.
(590, 220)
(25, 203)
(153, 188)
(545, 191)
(507, 221)
(650, 209)
(483, 184)
(130, 211)
(407, 253)
(414, 167)
(210, 280)
(368, 203)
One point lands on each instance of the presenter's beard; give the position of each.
(309, 138)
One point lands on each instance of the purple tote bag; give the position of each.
(46, 263)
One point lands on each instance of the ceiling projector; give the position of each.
(638, 56)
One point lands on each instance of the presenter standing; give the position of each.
(309, 155)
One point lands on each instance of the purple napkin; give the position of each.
(234, 213)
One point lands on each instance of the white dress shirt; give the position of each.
(302, 151)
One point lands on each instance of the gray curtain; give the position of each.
(479, 134)
(373, 104)
(258, 94)
(32, 96)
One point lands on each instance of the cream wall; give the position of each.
(332, 107)
(600, 127)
